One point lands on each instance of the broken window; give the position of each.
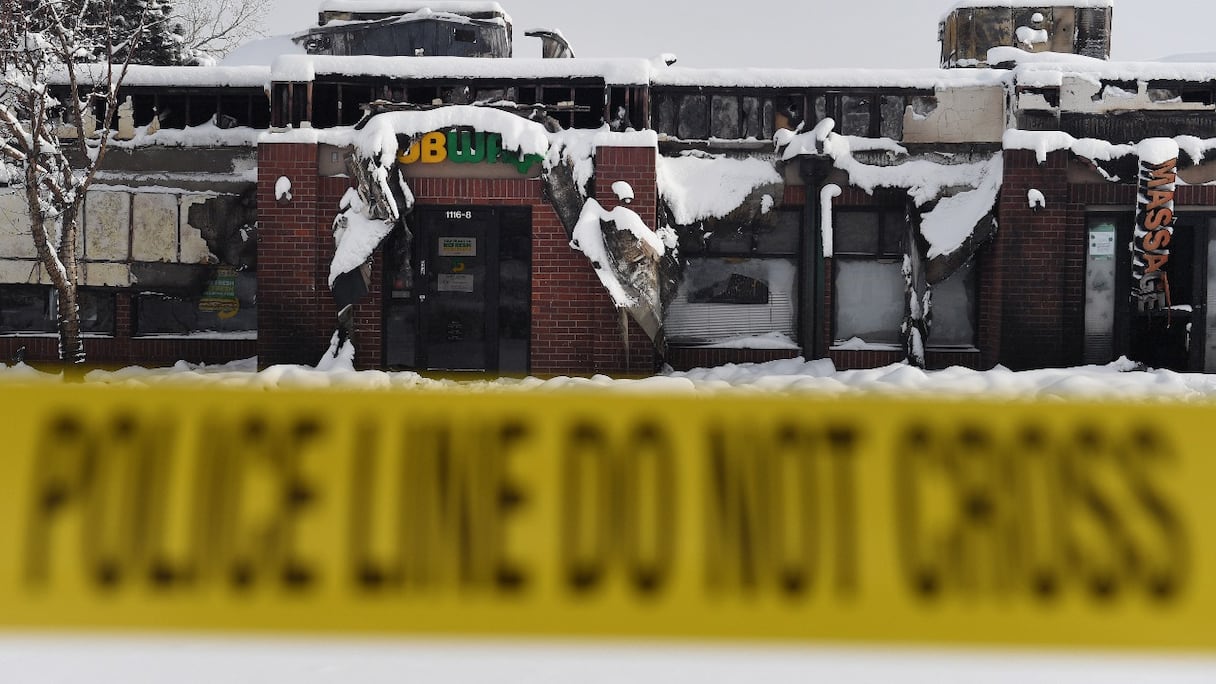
(326, 105)
(790, 111)
(891, 116)
(1164, 95)
(627, 108)
(855, 115)
(35, 309)
(227, 306)
(722, 115)
(739, 284)
(869, 301)
(868, 282)
(694, 118)
(588, 108)
(1198, 95)
(460, 95)
(821, 107)
(725, 300)
(871, 114)
(753, 127)
(955, 309)
(725, 117)
(666, 115)
(923, 106)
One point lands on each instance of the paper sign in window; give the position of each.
(457, 247)
(456, 282)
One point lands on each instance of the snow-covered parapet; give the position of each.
(1044, 143)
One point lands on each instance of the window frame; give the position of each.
(754, 252)
(889, 219)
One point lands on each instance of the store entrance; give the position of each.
(458, 295)
(1175, 337)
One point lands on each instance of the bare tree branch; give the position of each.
(43, 41)
(214, 27)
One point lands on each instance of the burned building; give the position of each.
(577, 216)
(971, 28)
(410, 29)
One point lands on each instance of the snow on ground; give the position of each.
(1120, 380)
(131, 660)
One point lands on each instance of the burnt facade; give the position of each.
(946, 217)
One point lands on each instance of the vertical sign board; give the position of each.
(636, 516)
(1154, 231)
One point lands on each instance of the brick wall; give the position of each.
(575, 327)
(615, 349)
(1042, 265)
(295, 245)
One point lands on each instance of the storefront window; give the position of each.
(34, 309)
(739, 286)
(869, 290)
(228, 306)
(869, 300)
(954, 310)
(868, 286)
(733, 299)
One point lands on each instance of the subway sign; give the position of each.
(465, 147)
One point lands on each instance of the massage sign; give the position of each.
(465, 147)
(1154, 231)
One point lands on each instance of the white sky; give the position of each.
(805, 34)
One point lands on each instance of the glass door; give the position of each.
(458, 294)
(458, 297)
(1172, 336)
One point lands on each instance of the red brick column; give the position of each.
(616, 350)
(295, 245)
(1041, 261)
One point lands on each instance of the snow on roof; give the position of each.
(410, 6)
(926, 79)
(1046, 142)
(1046, 69)
(300, 68)
(625, 71)
(176, 77)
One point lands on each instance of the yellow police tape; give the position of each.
(621, 515)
